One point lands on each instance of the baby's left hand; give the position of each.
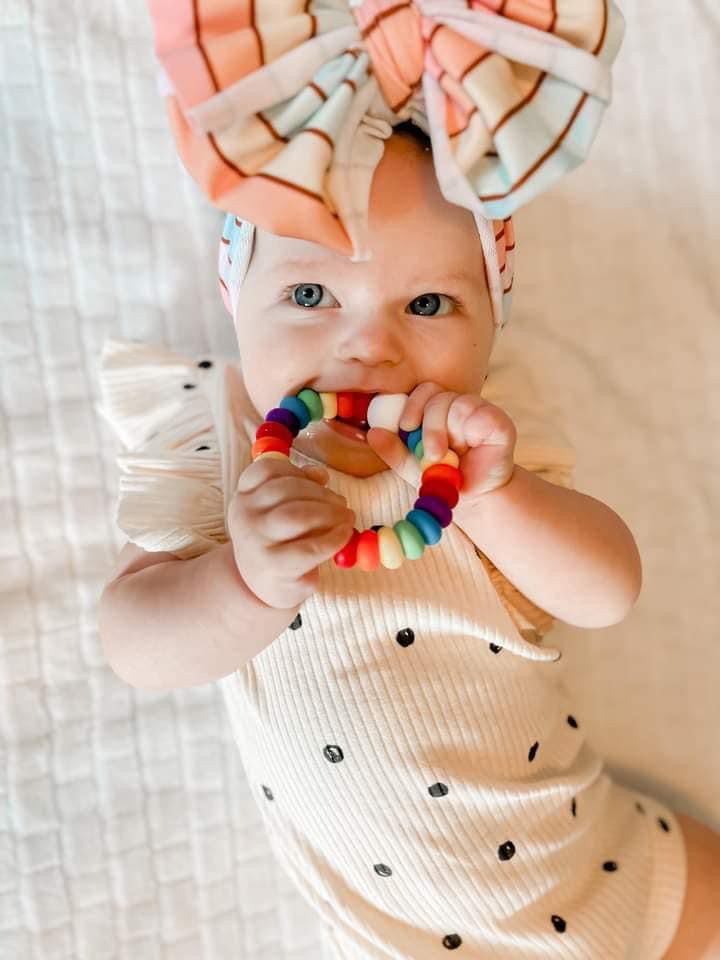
(481, 434)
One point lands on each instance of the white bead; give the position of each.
(385, 410)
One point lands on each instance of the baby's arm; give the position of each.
(167, 623)
(566, 551)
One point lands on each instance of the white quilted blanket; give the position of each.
(127, 828)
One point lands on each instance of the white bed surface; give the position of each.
(126, 822)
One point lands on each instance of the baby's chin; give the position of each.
(356, 458)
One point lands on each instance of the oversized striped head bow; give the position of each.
(279, 108)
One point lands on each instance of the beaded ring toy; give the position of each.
(440, 484)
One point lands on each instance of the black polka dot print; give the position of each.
(452, 941)
(268, 792)
(405, 637)
(189, 386)
(333, 753)
(610, 866)
(382, 869)
(558, 923)
(573, 807)
(506, 850)
(664, 824)
(639, 807)
(205, 364)
(203, 447)
(533, 751)
(495, 648)
(297, 623)
(572, 721)
(438, 790)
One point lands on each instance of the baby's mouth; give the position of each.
(358, 416)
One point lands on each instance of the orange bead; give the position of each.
(368, 550)
(445, 472)
(270, 428)
(269, 443)
(345, 405)
(347, 555)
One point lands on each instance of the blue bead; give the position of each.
(430, 529)
(298, 408)
(414, 437)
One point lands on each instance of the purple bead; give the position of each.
(404, 434)
(435, 507)
(286, 417)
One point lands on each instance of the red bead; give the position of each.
(270, 428)
(269, 443)
(347, 555)
(368, 550)
(345, 405)
(361, 402)
(437, 487)
(445, 472)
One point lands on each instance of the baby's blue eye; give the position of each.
(312, 295)
(429, 304)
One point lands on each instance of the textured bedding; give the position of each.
(127, 827)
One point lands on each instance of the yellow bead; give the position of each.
(329, 402)
(391, 551)
(450, 458)
(273, 453)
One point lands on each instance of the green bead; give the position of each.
(312, 401)
(411, 540)
(420, 450)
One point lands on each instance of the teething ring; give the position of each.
(440, 485)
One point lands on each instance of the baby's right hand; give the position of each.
(283, 524)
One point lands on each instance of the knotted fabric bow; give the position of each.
(279, 108)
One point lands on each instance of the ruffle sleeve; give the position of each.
(170, 495)
(543, 448)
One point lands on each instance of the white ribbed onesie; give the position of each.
(423, 776)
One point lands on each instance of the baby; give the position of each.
(422, 777)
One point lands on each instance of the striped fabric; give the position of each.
(279, 108)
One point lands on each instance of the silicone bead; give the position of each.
(298, 408)
(269, 443)
(361, 402)
(444, 470)
(419, 450)
(391, 551)
(427, 525)
(347, 555)
(272, 429)
(368, 550)
(286, 417)
(450, 458)
(329, 402)
(345, 405)
(414, 438)
(411, 539)
(385, 411)
(313, 402)
(436, 487)
(436, 508)
(275, 454)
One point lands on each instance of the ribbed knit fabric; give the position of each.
(423, 777)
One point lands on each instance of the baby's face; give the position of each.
(418, 311)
